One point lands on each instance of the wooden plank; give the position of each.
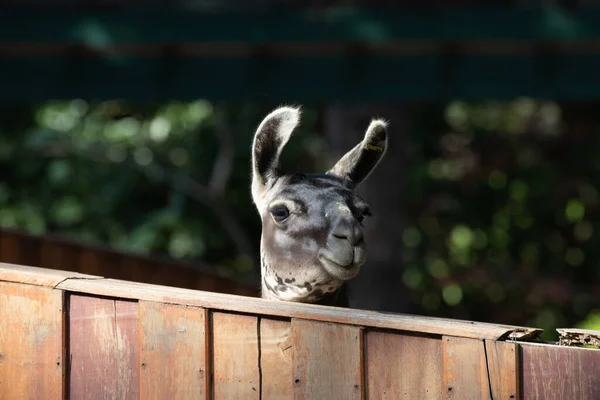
(570, 336)
(10, 250)
(90, 262)
(557, 372)
(219, 301)
(103, 344)
(464, 370)
(328, 361)
(31, 342)
(70, 255)
(403, 366)
(503, 369)
(173, 352)
(276, 356)
(235, 356)
(37, 276)
(52, 255)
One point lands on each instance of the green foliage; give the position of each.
(501, 218)
(504, 214)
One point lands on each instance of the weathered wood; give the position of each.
(219, 301)
(555, 372)
(173, 352)
(579, 337)
(235, 356)
(31, 342)
(503, 369)
(403, 366)
(465, 374)
(37, 276)
(9, 249)
(52, 256)
(328, 361)
(276, 356)
(103, 344)
(56, 252)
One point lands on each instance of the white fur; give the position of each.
(289, 118)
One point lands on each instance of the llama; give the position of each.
(312, 232)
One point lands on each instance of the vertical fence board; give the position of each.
(51, 256)
(10, 251)
(90, 262)
(235, 356)
(465, 374)
(328, 361)
(503, 367)
(173, 343)
(556, 372)
(276, 355)
(31, 342)
(403, 366)
(103, 344)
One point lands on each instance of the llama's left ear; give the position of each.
(356, 165)
(271, 136)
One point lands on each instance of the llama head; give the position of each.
(312, 233)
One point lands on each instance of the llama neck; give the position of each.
(339, 298)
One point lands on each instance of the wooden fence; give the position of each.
(69, 335)
(53, 252)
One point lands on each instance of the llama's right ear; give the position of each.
(271, 136)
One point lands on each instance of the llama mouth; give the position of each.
(339, 271)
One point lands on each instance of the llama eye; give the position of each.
(280, 213)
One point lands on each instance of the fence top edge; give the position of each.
(38, 276)
(95, 285)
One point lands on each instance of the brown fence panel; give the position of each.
(235, 356)
(132, 340)
(276, 357)
(556, 372)
(103, 346)
(173, 352)
(48, 251)
(32, 361)
(464, 371)
(403, 366)
(328, 360)
(10, 250)
(503, 369)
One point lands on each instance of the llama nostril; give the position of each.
(354, 236)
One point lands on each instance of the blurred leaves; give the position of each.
(165, 178)
(505, 212)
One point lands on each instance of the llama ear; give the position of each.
(271, 136)
(356, 165)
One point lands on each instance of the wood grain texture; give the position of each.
(464, 370)
(103, 344)
(219, 301)
(503, 368)
(328, 361)
(31, 342)
(37, 276)
(173, 352)
(553, 372)
(276, 356)
(403, 366)
(235, 356)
